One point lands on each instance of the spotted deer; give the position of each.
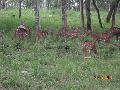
(89, 49)
(40, 35)
(114, 31)
(22, 31)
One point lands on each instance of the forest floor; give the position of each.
(36, 68)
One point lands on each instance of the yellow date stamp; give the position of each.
(102, 77)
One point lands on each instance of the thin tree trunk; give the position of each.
(48, 4)
(37, 19)
(59, 3)
(113, 5)
(69, 7)
(88, 14)
(20, 1)
(113, 16)
(44, 5)
(0, 4)
(78, 3)
(94, 4)
(3, 4)
(64, 14)
(27, 3)
(82, 13)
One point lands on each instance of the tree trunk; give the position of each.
(48, 4)
(20, 1)
(114, 5)
(68, 6)
(27, 3)
(37, 21)
(3, 4)
(88, 14)
(113, 16)
(64, 14)
(0, 4)
(82, 13)
(78, 3)
(94, 4)
(59, 3)
(44, 4)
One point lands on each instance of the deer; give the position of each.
(89, 49)
(114, 31)
(40, 35)
(22, 31)
(63, 32)
(74, 33)
(104, 36)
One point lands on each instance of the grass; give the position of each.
(35, 68)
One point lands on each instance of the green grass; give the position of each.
(35, 68)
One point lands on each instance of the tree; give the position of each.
(64, 13)
(112, 11)
(20, 1)
(113, 17)
(44, 4)
(82, 13)
(94, 4)
(3, 4)
(88, 14)
(28, 3)
(37, 19)
(0, 4)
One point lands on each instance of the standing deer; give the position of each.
(89, 48)
(40, 35)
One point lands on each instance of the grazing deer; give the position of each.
(74, 33)
(82, 36)
(89, 48)
(105, 37)
(63, 32)
(40, 35)
(22, 31)
(114, 31)
(94, 36)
